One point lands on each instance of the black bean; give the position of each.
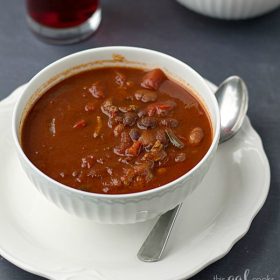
(134, 134)
(142, 113)
(130, 118)
(147, 122)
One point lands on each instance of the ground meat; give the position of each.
(180, 157)
(120, 79)
(118, 130)
(88, 161)
(108, 108)
(147, 138)
(128, 108)
(97, 90)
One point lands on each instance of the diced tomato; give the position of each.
(134, 149)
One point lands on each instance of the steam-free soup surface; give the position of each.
(116, 130)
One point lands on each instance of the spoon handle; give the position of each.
(156, 241)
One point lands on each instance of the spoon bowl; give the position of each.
(232, 97)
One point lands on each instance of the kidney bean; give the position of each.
(147, 122)
(196, 135)
(134, 134)
(153, 79)
(97, 90)
(129, 118)
(145, 95)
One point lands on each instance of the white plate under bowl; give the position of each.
(40, 238)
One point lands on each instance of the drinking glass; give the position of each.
(63, 21)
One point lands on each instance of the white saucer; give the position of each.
(40, 238)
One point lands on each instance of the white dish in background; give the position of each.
(39, 237)
(231, 9)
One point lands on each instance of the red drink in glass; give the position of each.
(63, 21)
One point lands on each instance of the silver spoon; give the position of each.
(232, 97)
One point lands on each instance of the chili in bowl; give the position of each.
(116, 134)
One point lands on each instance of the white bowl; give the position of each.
(231, 9)
(125, 208)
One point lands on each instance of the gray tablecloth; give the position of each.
(216, 49)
